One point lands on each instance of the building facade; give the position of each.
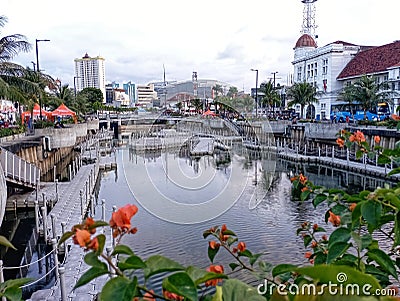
(320, 67)
(146, 95)
(90, 73)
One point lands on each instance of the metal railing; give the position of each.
(17, 169)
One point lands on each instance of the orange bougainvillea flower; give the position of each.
(122, 217)
(304, 189)
(334, 219)
(219, 269)
(315, 227)
(93, 244)
(302, 179)
(340, 142)
(81, 237)
(172, 296)
(148, 296)
(314, 244)
(307, 254)
(358, 137)
(352, 206)
(292, 179)
(377, 139)
(395, 117)
(241, 246)
(324, 237)
(213, 245)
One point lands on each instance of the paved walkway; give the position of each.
(68, 210)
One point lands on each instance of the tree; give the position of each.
(232, 93)
(89, 99)
(271, 97)
(366, 92)
(218, 90)
(302, 93)
(11, 83)
(197, 104)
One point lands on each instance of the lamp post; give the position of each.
(38, 70)
(274, 73)
(256, 70)
(34, 66)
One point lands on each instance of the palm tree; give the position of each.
(197, 104)
(302, 93)
(271, 97)
(218, 90)
(10, 73)
(366, 92)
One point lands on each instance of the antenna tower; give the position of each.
(309, 26)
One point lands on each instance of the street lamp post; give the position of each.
(256, 70)
(274, 73)
(38, 70)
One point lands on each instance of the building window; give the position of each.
(325, 66)
(323, 106)
(299, 71)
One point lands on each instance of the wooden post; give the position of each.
(44, 216)
(63, 288)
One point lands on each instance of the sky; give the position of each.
(218, 39)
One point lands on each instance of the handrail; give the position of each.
(16, 168)
(29, 264)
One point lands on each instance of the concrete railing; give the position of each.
(17, 169)
(3, 194)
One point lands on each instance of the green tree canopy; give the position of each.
(302, 93)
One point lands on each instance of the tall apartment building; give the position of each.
(90, 73)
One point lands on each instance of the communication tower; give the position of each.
(309, 25)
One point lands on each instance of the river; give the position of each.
(261, 210)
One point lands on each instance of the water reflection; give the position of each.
(264, 215)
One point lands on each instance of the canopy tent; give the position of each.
(209, 113)
(62, 111)
(36, 112)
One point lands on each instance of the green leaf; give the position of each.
(339, 235)
(5, 242)
(319, 199)
(336, 250)
(98, 224)
(393, 199)
(246, 253)
(229, 232)
(132, 263)
(212, 252)
(394, 171)
(282, 269)
(92, 259)
(330, 274)
(180, 283)
(65, 236)
(91, 274)
(122, 249)
(307, 240)
(356, 215)
(233, 266)
(362, 241)
(101, 238)
(304, 195)
(158, 264)
(254, 258)
(200, 276)
(383, 260)
(235, 290)
(396, 230)
(13, 293)
(207, 233)
(119, 288)
(371, 212)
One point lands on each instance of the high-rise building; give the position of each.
(90, 73)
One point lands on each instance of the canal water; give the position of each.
(259, 208)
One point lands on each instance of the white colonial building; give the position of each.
(329, 68)
(320, 66)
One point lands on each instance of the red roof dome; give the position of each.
(305, 41)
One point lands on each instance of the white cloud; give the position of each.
(218, 39)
